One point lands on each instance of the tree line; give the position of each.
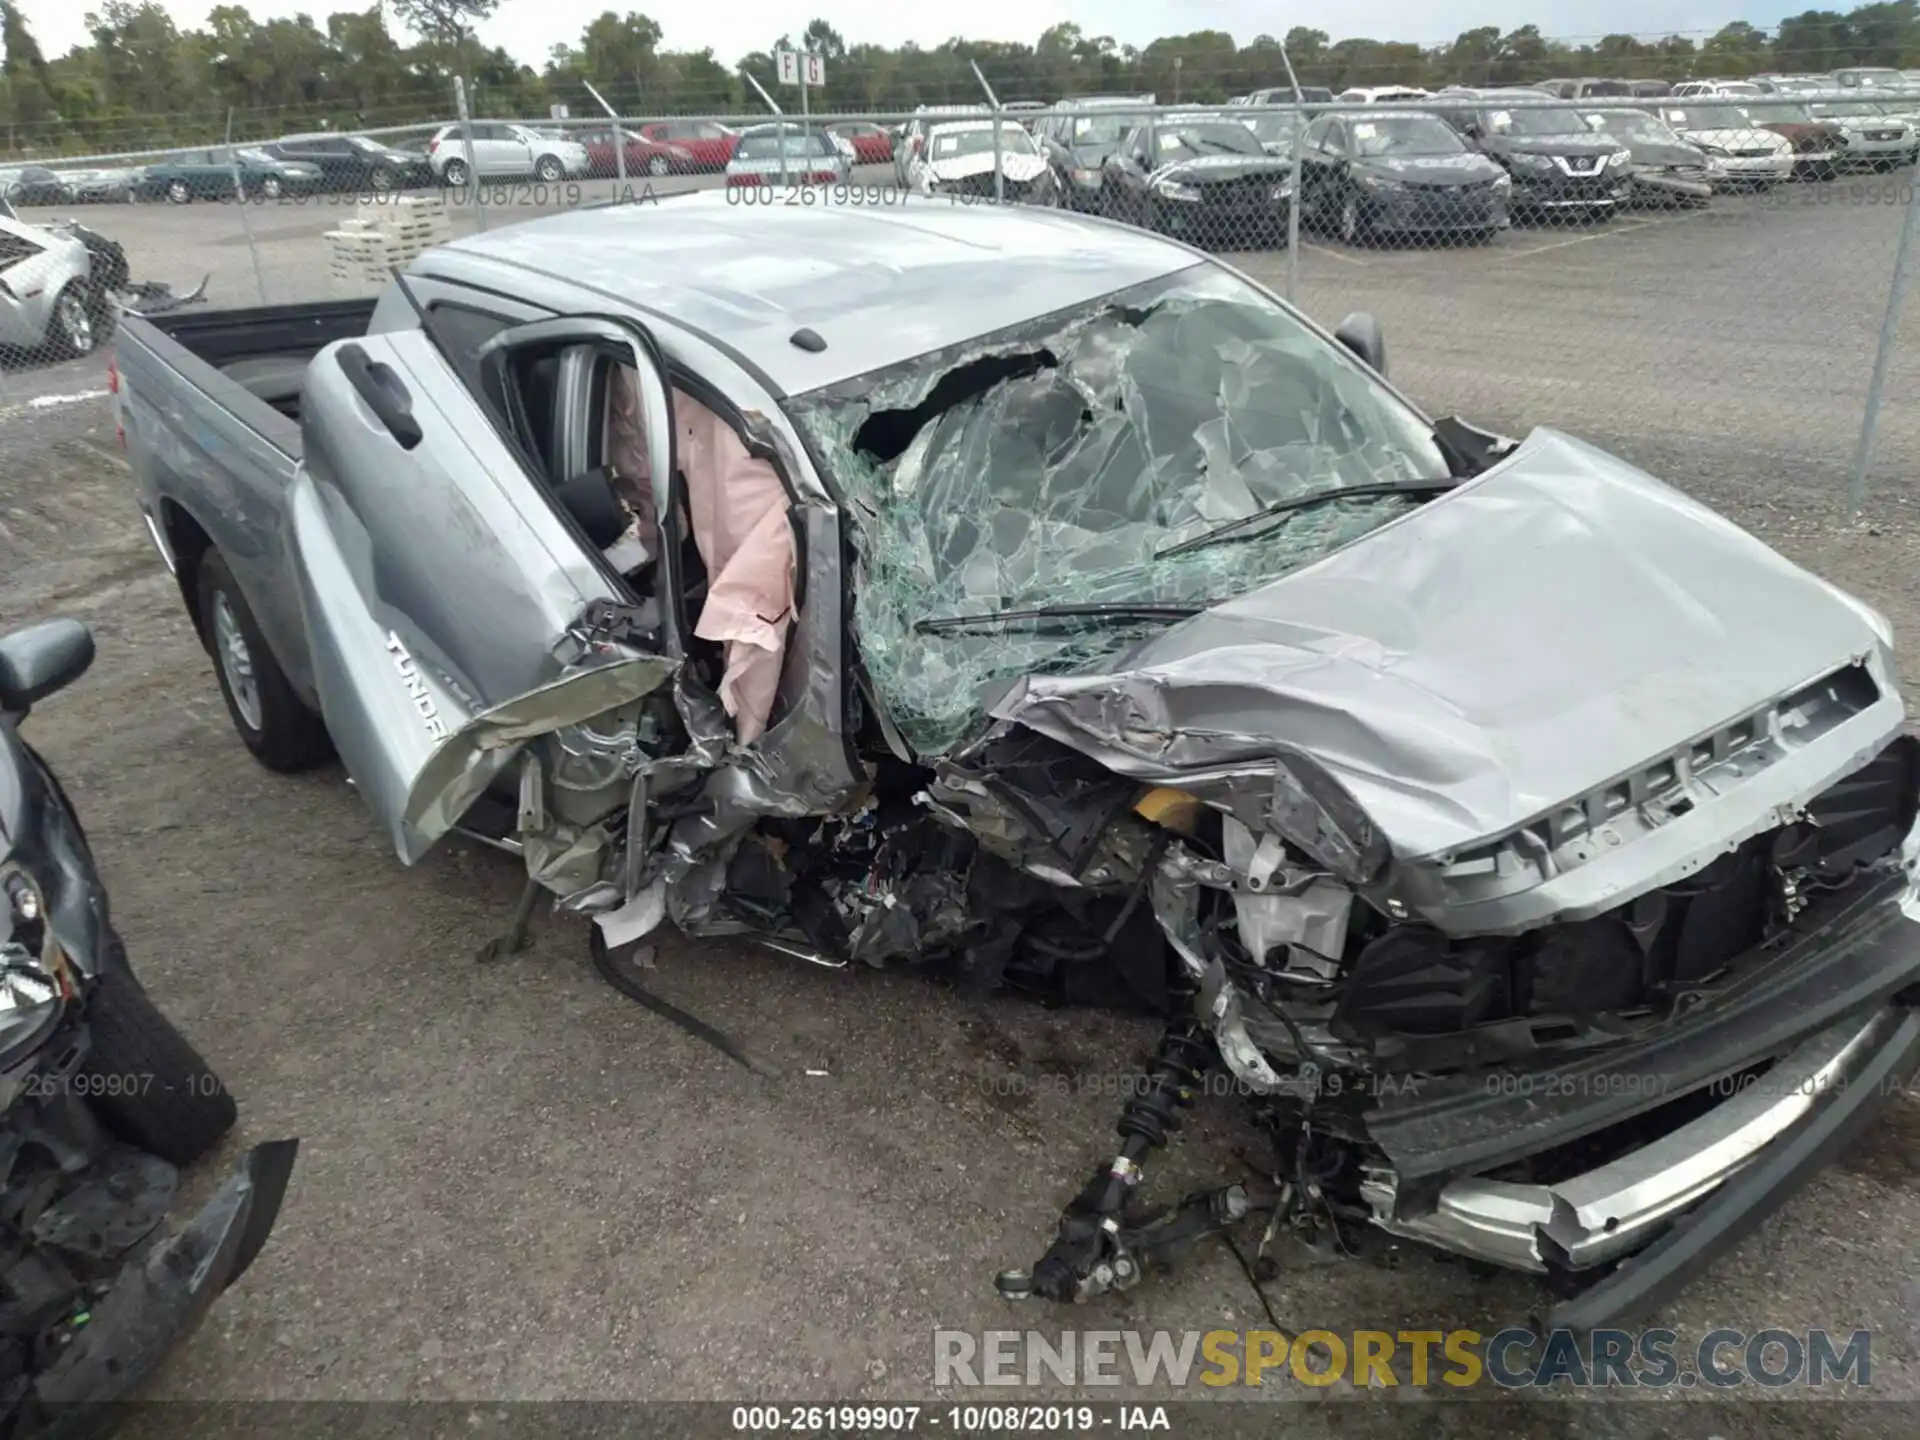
(143, 82)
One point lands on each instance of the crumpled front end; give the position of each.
(1532, 947)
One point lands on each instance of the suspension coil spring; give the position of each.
(1155, 1113)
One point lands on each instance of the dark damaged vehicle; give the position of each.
(1398, 173)
(1203, 178)
(102, 1101)
(1558, 164)
(1529, 844)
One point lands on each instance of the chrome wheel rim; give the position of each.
(271, 187)
(236, 661)
(76, 323)
(657, 165)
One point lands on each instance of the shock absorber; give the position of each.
(1093, 1251)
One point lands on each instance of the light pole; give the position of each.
(1178, 60)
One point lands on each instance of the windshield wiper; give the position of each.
(1291, 503)
(1117, 610)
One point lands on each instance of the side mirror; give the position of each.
(42, 659)
(1361, 334)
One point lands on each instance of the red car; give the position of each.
(644, 156)
(711, 145)
(872, 145)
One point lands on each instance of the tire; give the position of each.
(167, 1099)
(549, 171)
(271, 187)
(382, 180)
(71, 332)
(179, 193)
(1350, 226)
(455, 175)
(282, 732)
(657, 165)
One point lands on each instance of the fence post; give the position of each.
(999, 165)
(1293, 220)
(1889, 333)
(475, 196)
(246, 220)
(619, 142)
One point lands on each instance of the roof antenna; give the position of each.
(808, 339)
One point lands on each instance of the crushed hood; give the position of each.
(1536, 633)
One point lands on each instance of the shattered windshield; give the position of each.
(978, 140)
(1045, 465)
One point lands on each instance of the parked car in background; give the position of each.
(1080, 135)
(1380, 95)
(354, 164)
(1695, 88)
(1586, 89)
(958, 159)
(709, 142)
(1276, 129)
(1202, 178)
(914, 133)
(1558, 165)
(1650, 89)
(35, 185)
(1401, 172)
(1875, 140)
(210, 175)
(1870, 77)
(1288, 95)
(1817, 144)
(1791, 84)
(643, 156)
(50, 307)
(1742, 155)
(872, 145)
(503, 151)
(1666, 169)
(96, 187)
(786, 153)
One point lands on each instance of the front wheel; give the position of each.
(549, 170)
(271, 187)
(382, 180)
(1350, 225)
(145, 1079)
(274, 724)
(657, 165)
(455, 174)
(178, 193)
(73, 333)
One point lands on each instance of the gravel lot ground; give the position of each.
(514, 1183)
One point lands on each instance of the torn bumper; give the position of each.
(160, 1296)
(1836, 1009)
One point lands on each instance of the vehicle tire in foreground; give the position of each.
(549, 171)
(147, 1082)
(274, 724)
(455, 175)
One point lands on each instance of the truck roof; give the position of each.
(880, 283)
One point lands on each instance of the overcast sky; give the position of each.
(530, 28)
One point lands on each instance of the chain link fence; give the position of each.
(1708, 284)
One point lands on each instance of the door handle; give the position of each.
(385, 394)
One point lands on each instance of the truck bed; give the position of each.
(250, 362)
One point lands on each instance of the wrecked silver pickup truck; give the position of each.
(1042, 602)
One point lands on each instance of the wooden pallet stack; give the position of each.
(383, 239)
